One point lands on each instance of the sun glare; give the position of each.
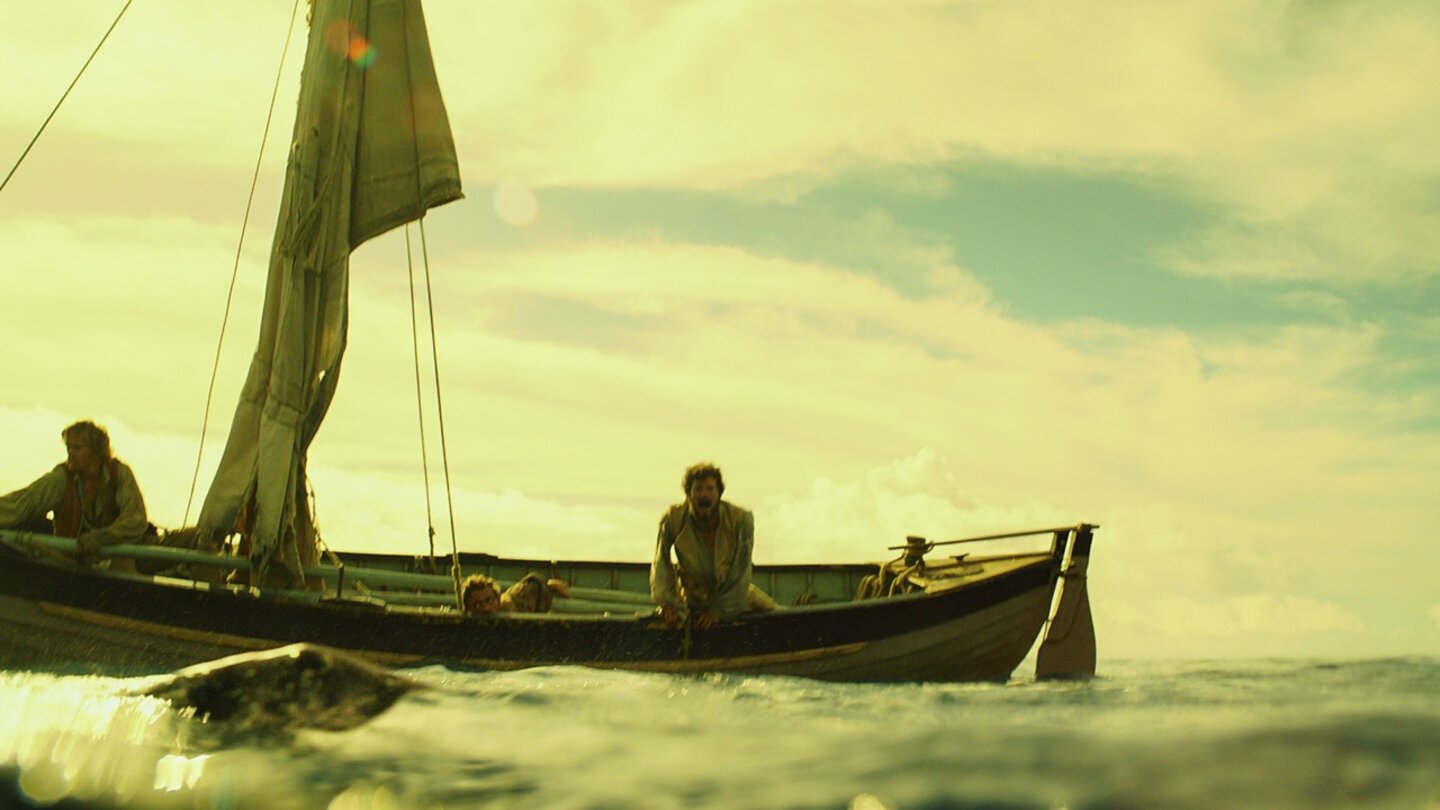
(515, 203)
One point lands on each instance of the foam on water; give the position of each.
(1146, 734)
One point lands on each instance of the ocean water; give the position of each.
(1265, 734)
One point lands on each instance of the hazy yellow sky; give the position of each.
(935, 268)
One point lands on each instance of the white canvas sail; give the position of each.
(371, 150)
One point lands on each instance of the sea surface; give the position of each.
(1217, 734)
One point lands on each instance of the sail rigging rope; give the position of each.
(419, 398)
(434, 344)
(440, 413)
(64, 95)
(239, 248)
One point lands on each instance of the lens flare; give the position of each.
(515, 204)
(362, 53)
(342, 38)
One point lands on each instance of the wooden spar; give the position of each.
(576, 604)
(1006, 536)
(369, 577)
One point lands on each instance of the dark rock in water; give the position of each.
(302, 685)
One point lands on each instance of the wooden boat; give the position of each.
(962, 617)
(372, 151)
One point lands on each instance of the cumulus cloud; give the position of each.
(373, 511)
(862, 518)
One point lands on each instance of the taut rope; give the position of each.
(64, 95)
(434, 346)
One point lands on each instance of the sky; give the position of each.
(897, 266)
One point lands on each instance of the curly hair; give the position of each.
(92, 434)
(703, 469)
(476, 581)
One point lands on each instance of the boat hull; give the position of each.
(63, 618)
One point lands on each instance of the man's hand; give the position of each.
(704, 620)
(669, 615)
(86, 547)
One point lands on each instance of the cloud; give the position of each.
(1307, 123)
(212, 59)
(1266, 624)
(834, 375)
(33, 442)
(860, 519)
(123, 314)
(1259, 613)
(373, 511)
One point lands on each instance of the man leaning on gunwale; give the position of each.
(712, 539)
(93, 496)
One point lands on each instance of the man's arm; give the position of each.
(664, 590)
(31, 503)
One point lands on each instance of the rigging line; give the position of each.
(434, 344)
(65, 95)
(239, 247)
(440, 413)
(419, 398)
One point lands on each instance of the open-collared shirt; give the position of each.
(29, 505)
(715, 581)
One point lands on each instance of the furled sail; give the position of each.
(371, 150)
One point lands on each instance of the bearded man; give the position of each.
(712, 541)
(92, 496)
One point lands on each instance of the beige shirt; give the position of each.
(31, 504)
(530, 595)
(698, 579)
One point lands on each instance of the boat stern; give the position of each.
(1068, 648)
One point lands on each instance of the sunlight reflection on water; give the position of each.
(1360, 734)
